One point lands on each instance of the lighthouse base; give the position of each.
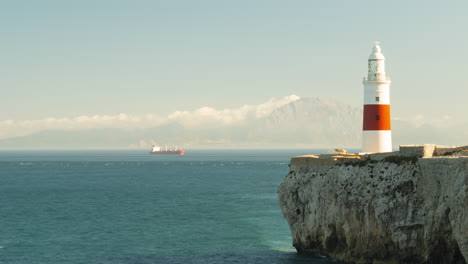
(377, 141)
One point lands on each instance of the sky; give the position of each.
(65, 59)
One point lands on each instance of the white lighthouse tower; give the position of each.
(377, 133)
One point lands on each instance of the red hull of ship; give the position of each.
(169, 152)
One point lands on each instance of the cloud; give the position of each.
(418, 120)
(268, 107)
(12, 128)
(204, 116)
(208, 115)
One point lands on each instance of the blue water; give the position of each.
(132, 207)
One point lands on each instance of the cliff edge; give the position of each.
(409, 206)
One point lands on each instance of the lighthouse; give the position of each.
(377, 133)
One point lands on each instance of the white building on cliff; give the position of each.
(377, 133)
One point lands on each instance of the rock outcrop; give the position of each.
(395, 210)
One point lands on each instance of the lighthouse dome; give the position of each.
(376, 52)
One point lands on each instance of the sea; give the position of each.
(127, 206)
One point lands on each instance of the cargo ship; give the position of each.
(157, 150)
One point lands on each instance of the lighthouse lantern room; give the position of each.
(377, 134)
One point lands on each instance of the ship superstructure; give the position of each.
(158, 150)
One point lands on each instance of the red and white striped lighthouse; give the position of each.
(377, 133)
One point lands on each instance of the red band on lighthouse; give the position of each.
(377, 117)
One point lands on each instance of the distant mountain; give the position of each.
(307, 122)
(312, 122)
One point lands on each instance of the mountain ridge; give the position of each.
(312, 118)
(307, 122)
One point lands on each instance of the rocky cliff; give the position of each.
(396, 210)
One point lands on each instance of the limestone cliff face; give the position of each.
(379, 212)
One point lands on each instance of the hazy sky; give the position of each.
(70, 58)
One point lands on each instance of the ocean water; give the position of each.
(132, 207)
